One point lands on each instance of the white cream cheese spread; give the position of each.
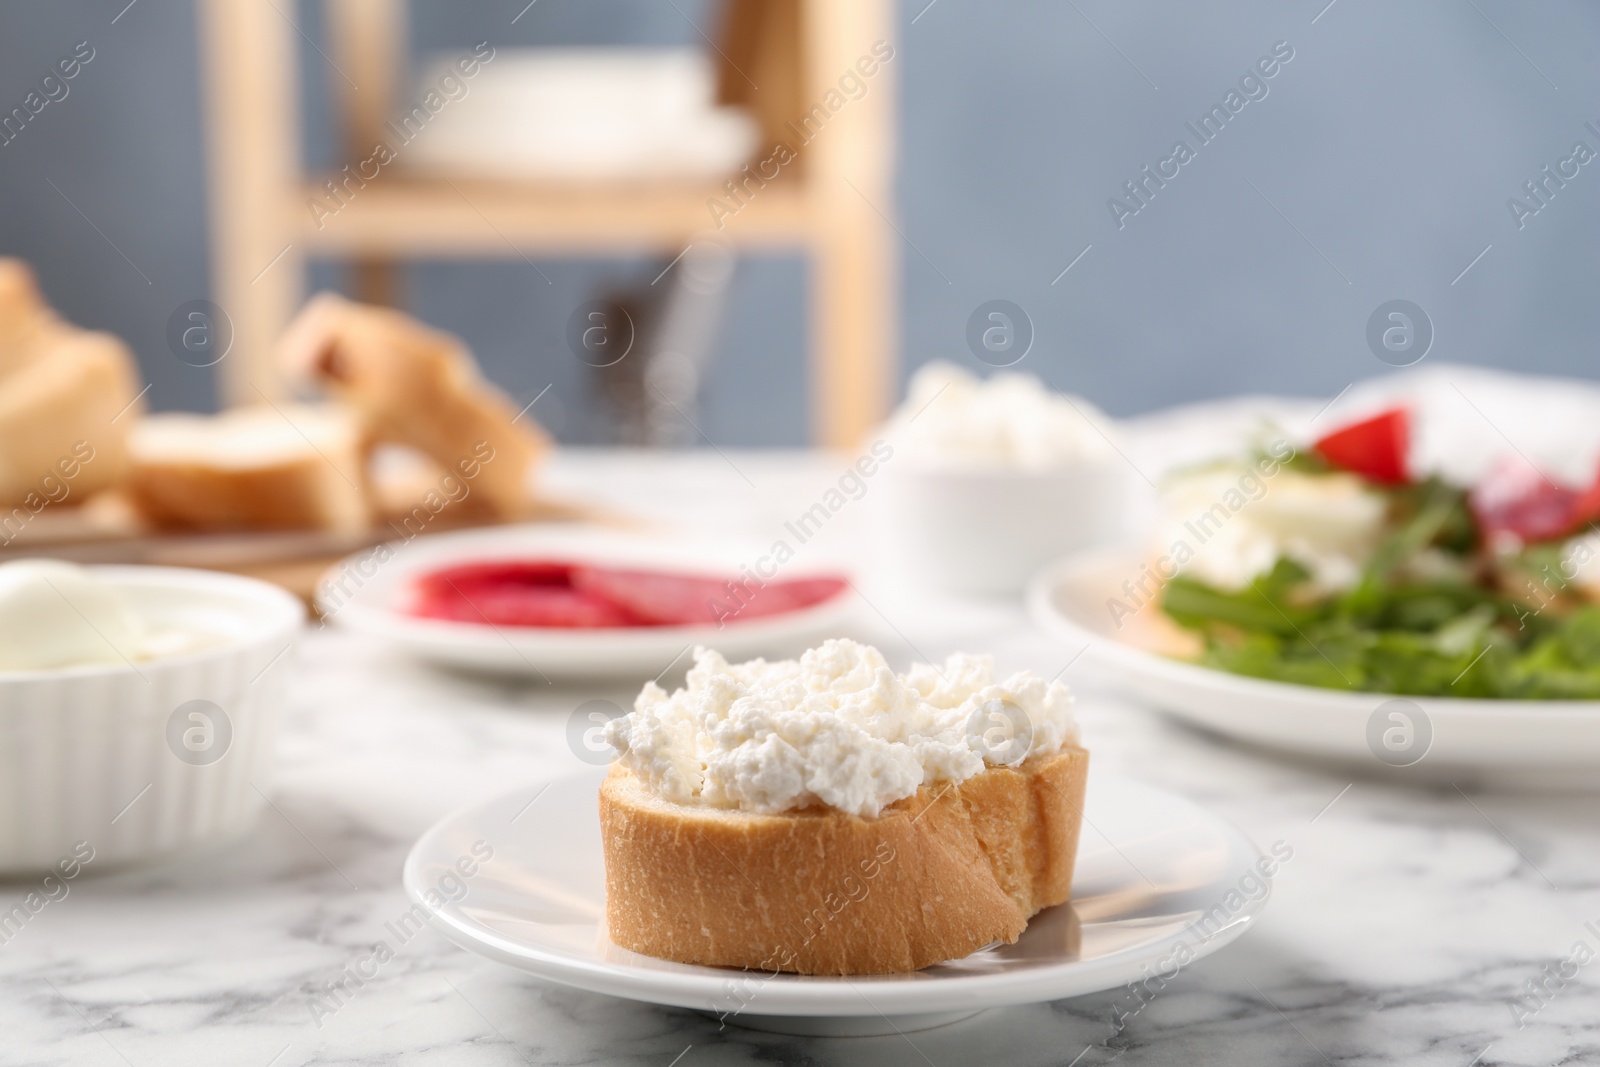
(952, 419)
(57, 615)
(835, 728)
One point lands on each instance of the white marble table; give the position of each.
(1407, 920)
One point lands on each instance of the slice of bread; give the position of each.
(68, 398)
(27, 323)
(419, 387)
(262, 467)
(65, 417)
(935, 877)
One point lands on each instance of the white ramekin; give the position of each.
(85, 754)
(987, 530)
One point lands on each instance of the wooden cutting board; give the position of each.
(106, 530)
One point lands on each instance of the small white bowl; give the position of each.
(112, 760)
(988, 529)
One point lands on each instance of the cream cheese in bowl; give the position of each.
(952, 421)
(992, 479)
(138, 708)
(56, 615)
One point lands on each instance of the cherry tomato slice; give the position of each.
(1374, 448)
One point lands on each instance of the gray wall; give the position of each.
(1381, 160)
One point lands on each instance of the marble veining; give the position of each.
(1410, 920)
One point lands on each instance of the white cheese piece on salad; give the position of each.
(1237, 522)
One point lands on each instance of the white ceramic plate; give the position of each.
(1150, 865)
(364, 591)
(1542, 742)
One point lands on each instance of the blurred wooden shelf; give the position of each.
(781, 60)
(402, 216)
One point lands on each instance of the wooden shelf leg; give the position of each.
(253, 149)
(850, 177)
(368, 41)
(852, 342)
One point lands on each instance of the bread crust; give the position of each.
(310, 486)
(79, 400)
(68, 397)
(28, 325)
(421, 388)
(295, 494)
(935, 877)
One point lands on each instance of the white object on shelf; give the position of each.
(579, 114)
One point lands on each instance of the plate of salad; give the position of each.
(1328, 597)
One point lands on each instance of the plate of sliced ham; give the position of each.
(580, 601)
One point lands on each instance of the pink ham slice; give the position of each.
(515, 594)
(548, 593)
(687, 599)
